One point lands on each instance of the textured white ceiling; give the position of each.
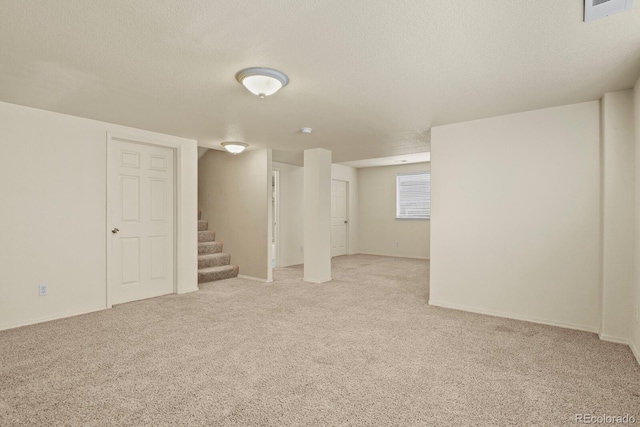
(369, 76)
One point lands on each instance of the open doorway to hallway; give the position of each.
(275, 227)
(339, 217)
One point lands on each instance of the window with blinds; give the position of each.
(413, 195)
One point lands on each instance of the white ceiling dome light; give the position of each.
(262, 81)
(234, 147)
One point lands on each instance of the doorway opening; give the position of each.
(275, 223)
(339, 218)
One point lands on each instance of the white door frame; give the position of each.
(276, 215)
(346, 213)
(178, 251)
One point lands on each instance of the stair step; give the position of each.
(202, 225)
(206, 236)
(217, 273)
(213, 260)
(209, 248)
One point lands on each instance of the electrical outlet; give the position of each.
(42, 289)
(397, 244)
(301, 248)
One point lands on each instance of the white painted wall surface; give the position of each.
(291, 225)
(234, 193)
(617, 214)
(635, 325)
(350, 175)
(53, 216)
(515, 227)
(379, 228)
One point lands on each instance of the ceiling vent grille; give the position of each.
(596, 9)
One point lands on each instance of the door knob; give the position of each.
(346, 222)
(114, 230)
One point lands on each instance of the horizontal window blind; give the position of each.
(413, 195)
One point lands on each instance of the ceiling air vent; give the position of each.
(595, 9)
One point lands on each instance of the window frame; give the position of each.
(427, 216)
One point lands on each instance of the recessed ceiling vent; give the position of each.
(596, 9)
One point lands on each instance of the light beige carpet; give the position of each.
(365, 349)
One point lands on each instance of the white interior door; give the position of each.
(339, 220)
(141, 226)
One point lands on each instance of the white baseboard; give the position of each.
(50, 318)
(186, 291)
(515, 316)
(611, 338)
(255, 279)
(635, 351)
(314, 280)
(392, 255)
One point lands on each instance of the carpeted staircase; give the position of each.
(213, 264)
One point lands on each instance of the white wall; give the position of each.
(53, 216)
(617, 162)
(635, 325)
(515, 227)
(350, 175)
(291, 241)
(234, 194)
(379, 230)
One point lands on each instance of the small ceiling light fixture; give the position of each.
(306, 130)
(262, 81)
(234, 147)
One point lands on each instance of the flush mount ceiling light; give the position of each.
(262, 81)
(234, 147)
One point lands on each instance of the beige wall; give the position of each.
(291, 241)
(617, 162)
(234, 193)
(635, 326)
(350, 175)
(379, 230)
(515, 227)
(53, 216)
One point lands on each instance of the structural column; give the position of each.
(317, 215)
